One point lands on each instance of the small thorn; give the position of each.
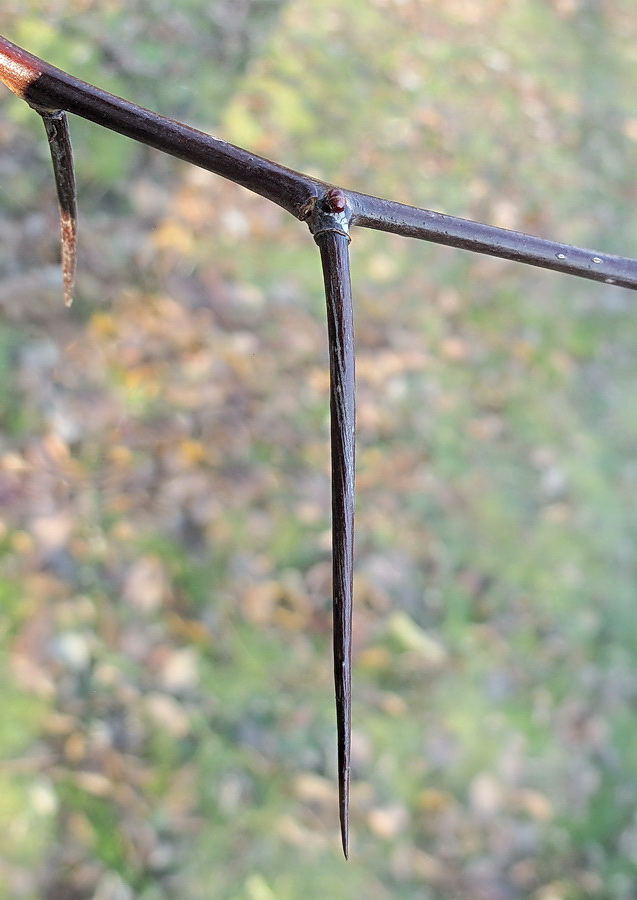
(57, 132)
(68, 228)
(345, 829)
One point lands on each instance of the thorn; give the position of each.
(340, 325)
(344, 815)
(343, 722)
(57, 132)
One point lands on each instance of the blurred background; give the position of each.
(167, 722)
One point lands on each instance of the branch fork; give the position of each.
(330, 212)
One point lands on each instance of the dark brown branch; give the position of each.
(333, 242)
(409, 221)
(45, 86)
(329, 212)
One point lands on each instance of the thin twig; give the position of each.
(45, 86)
(409, 221)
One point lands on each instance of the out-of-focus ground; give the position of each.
(167, 725)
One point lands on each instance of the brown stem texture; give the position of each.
(44, 86)
(57, 132)
(329, 212)
(338, 292)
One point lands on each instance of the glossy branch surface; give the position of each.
(329, 212)
(45, 86)
(333, 241)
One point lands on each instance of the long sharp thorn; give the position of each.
(57, 131)
(335, 260)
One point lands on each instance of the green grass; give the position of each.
(495, 636)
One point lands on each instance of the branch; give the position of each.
(329, 212)
(46, 87)
(387, 215)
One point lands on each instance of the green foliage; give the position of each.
(180, 440)
(16, 417)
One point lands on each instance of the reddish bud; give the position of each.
(335, 199)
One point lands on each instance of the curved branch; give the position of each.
(45, 86)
